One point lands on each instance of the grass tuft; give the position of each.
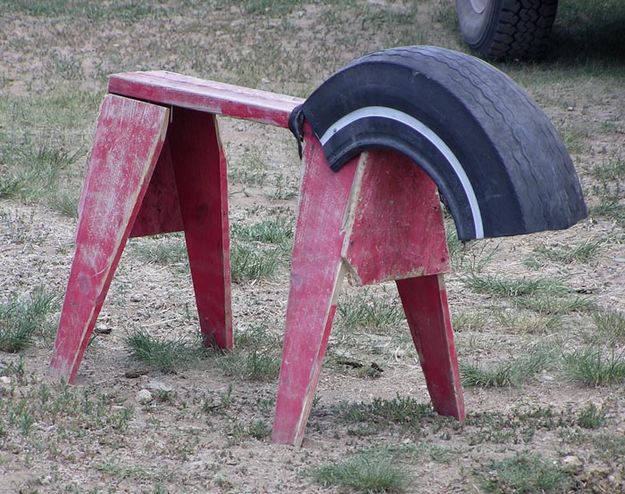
(278, 231)
(367, 472)
(38, 172)
(366, 310)
(556, 305)
(259, 429)
(612, 171)
(253, 365)
(21, 319)
(610, 209)
(512, 373)
(167, 356)
(528, 323)
(583, 252)
(400, 410)
(525, 473)
(256, 356)
(469, 321)
(595, 367)
(169, 250)
(501, 287)
(249, 262)
(591, 417)
(610, 323)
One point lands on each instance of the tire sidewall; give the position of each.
(477, 28)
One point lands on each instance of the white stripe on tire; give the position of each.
(427, 133)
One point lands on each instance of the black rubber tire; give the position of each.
(494, 155)
(507, 28)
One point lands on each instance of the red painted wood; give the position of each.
(128, 133)
(385, 220)
(201, 181)
(398, 229)
(425, 304)
(208, 96)
(316, 274)
(160, 209)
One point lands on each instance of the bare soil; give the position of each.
(195, 436)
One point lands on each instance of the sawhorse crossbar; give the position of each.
(157, 166)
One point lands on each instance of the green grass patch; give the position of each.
(168, 356)
(259, 429)
(511, 373)
(595, 366)
(610, 446)
(65, 412)
(425, 450)
(65, 203)
(503, 287)
(249, 170)
(611, 210)
(253, 262)
(516, 426)
(124, 471)
(469, 321)
(366, 472)
(278, 231)
(37, 174)
(369, 310)
(264, 7)
(16, 369)
(525, 473)
(520, 322)
(612, 171)
(256, 356)
(21, 319)
(513, 320)
(583, 252)
(251, 365)
(170, 250)
(556, 305)
(591, 417)
(404, 411)
(610, 323)
(123, 10)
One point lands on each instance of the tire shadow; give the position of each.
(588, 33)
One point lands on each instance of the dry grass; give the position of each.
(210, 433)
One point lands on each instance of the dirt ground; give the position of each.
(206, 428)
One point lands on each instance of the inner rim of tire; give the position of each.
(479, 5)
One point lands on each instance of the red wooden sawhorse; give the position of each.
(377, 219)
(157, 166)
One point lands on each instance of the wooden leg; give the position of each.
(128, 139)
(316, 274)
(201, 180)
(425, 304)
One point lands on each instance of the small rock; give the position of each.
(103, 329)
(573, 462)
(159, 386)
(135, 298)
(135, 373)
(546, 378)
(144, 397)
(5, 380)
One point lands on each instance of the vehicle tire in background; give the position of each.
(507, 28)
